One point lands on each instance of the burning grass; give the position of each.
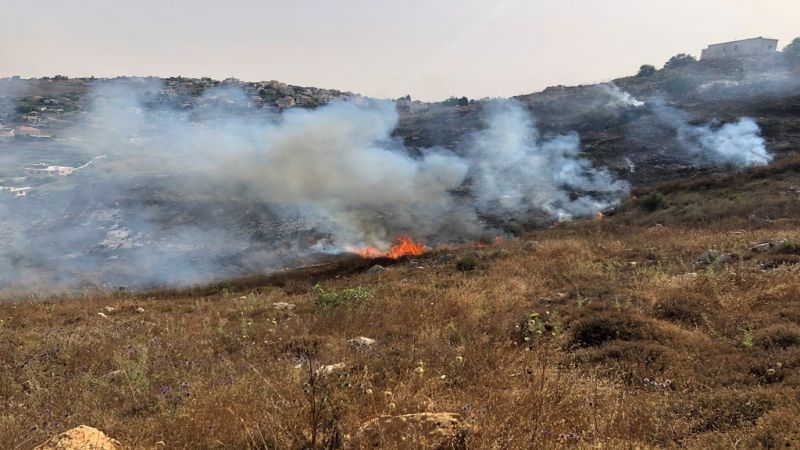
(602, 335)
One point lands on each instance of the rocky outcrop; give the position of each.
(81, 438)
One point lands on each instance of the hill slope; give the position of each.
(622, 332)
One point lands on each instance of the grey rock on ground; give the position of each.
(377, 268)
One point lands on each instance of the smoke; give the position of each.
(516, 171)
(619, 98)
(223, 189)
(737, 143)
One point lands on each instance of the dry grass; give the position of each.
(603, 335)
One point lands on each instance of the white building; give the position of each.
(15, 191)
(44, 171)
(745, 47)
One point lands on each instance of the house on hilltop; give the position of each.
(746, 47)
(42, 170)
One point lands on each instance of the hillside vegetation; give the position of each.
(662, 325)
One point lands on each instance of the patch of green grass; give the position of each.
(342, 297)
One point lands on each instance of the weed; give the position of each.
(347, 296)
(467, 263)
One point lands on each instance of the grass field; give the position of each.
(606, 335)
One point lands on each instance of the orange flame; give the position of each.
(403, 246)
(599, 216)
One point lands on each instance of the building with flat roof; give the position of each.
(745, 47)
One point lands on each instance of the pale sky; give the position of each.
(430, 49)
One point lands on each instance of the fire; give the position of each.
(599, 216)
(403, 246)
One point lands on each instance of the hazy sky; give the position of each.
(430, 49)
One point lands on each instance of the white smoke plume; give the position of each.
(738, 143)
(223, 190)
(515, 170)
(619, 98)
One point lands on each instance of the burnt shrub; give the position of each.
(605, 326)
(686, 309)
(777, 336)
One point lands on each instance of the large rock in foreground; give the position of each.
(81, 438)
(413, 431)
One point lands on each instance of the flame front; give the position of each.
(403, 246)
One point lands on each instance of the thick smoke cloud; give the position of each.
(222, 190)
(514, 169)
(737, 143)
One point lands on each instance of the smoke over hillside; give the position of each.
(737, 143)
(187, 196)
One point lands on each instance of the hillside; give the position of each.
(674, 322)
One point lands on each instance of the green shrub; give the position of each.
(652, 201)
(646, 70)
(680, 60)
(339, 298)
(466, 264)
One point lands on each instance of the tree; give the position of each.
(792, 51)
(646, 70)
(463, 101)
(680, 60)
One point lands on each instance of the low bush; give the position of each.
(339, 298)
(467, 263)
(607, 326)
(651, 202)
(686, 309)
(777, 336)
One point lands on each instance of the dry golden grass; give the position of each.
(604, 335)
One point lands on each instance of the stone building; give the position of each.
(745, 47)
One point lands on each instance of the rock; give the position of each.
(81, 438)
(330, 368)
(109, 309)
(656, 227)
(102, 315)
(761, 248)
(414, 262)
(446, 258)
(413, 431)
(706, 259)
(501, 253)
(477, 254)
(362, 343)
(759, 220)
(531, 245)
(377, 268)
(115, 374)
(283, 306)
(140, 310)
(774, 244)
(727, 258)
